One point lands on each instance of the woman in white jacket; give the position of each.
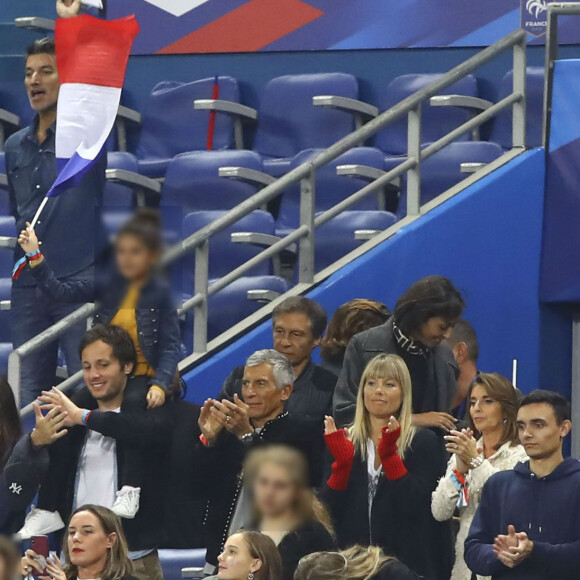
(489, 445)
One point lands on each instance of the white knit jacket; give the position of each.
(444, 499)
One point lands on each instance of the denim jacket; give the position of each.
(157, 320)
(69, 227)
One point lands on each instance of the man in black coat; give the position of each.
(298, 324)
(106, 430)
(231, 429)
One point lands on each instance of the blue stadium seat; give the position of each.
(288, 122)
(435, 121)
(172, 561)
(5, 350)
(170, 125)
(230, 305)
(224, 255)
(4, 203)
(116, 194)
(114, 217)
(5, 290)
(336, 238)
(443, 169)
(330, 187)
(502, 125)
(192, 181)
(8, 229)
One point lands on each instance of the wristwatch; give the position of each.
(247, 437)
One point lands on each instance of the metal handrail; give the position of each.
(305, 174)
(554, 10)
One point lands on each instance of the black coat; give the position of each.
(185, 493)
(395, 570)
(401, 521)
(22, 472)
(311, 397)
(441, 372)
(309, 538)
(224, 463)
(143, 433)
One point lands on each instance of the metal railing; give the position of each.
(304, 235)
(554, 10)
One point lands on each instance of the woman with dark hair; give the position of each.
(23, 458)
(349, 319)
(423, 318)
(94, 547)
(356, 563)
(284, 506)
(489, 445)
(249, 555)
(385, 470)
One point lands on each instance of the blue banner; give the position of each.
(218, 26)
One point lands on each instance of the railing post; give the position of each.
(14, 364)
(551, 56)
(519, 86)
(414, 151)
(306, 247)
(201, 282)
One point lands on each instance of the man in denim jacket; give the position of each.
(69, 226)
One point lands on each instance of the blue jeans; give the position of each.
(31, 313)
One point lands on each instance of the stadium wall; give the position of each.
(487, 239)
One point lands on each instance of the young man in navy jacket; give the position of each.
(528, 522)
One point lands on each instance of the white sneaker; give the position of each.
(40, 522)
(127, 503)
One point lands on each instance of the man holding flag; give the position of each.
(56, 175)
(68, 226)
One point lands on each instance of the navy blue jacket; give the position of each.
(157, 320)
(546, 508)
(20, 477)
(69, 227)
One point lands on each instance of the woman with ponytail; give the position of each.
(284, 506)
(385, 470)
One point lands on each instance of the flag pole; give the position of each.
(38, 212)
(515, 373)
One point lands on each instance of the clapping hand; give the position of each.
(513, 548)
(237, 419)
(463, 445)
(55, 398)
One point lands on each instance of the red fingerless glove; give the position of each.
(342, 449)
(392, 463)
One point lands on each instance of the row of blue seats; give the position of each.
(309, 111)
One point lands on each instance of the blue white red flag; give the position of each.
(91, 57)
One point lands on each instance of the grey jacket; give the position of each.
(364, 347)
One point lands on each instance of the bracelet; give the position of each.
(32, 255)
(475, 462)
(204, 440)
(85, 416)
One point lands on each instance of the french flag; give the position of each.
(91, 57)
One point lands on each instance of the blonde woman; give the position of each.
(284, 507)
(385, 470)
(356, 563)
(489, 445)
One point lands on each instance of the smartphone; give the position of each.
(39, 545)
